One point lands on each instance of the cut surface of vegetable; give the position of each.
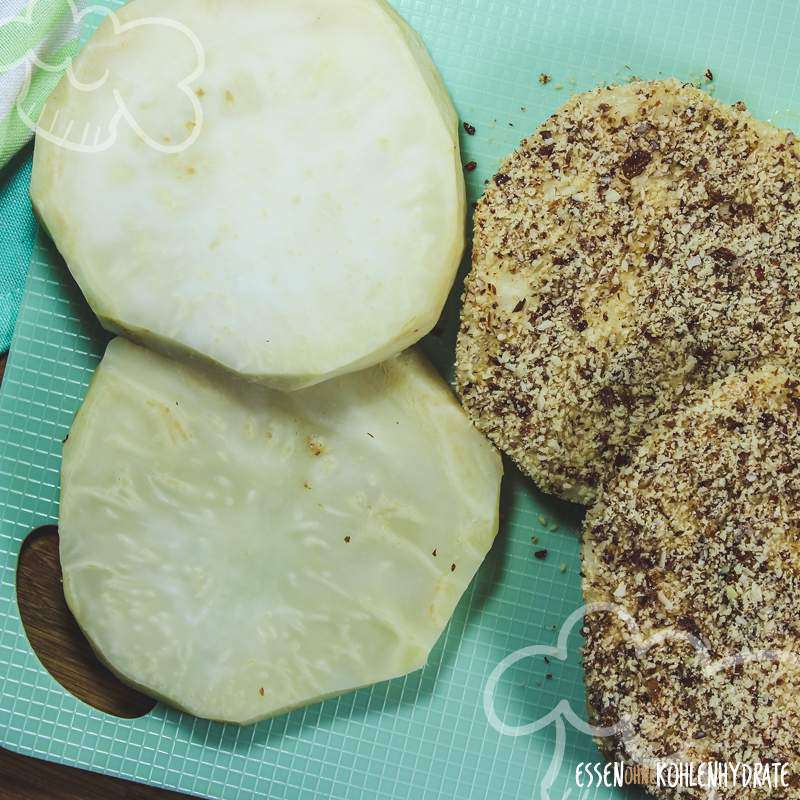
(275, 187)
(238, 552)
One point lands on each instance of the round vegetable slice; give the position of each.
(274, 186)
(637, 247)
(239, 552)
(693, 551)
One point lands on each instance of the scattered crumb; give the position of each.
(535, 539)
(544, 78)
(541, 554)
(709, 75)
(347, 539)
(542, 520)
(315, 445)
(471, 166)
(562, 567)
(261, 691)
(558, 86)
(470, 129)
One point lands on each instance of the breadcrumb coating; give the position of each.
(644, 242)
(700, 535)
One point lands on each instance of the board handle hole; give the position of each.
(56, 638)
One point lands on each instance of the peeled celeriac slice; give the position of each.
(239, 552)
(294, 212)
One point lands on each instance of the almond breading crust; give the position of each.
(700, 537)
(644, 242)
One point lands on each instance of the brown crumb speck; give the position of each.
(315, 445)
(723, 255)
(636, 163)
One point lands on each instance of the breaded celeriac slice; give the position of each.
(644, 242)
(697, 542)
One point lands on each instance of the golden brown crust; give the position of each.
(700, 535)
(644, 242)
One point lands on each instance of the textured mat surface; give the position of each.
(425, 736)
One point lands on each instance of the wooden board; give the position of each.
(28, 779)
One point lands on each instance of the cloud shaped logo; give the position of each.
(563, 713)
(49, 42)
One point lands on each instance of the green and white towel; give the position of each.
(37, 41)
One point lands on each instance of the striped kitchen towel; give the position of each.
(37, 40)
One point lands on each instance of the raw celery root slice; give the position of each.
(238, 552)
(295, 212)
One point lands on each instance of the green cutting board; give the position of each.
(427, 735)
